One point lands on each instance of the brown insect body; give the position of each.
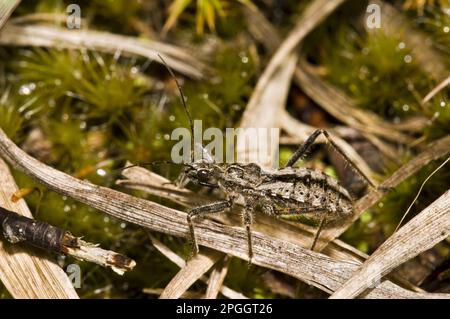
(286, 193)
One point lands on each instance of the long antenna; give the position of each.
(183, 100)
(155, 163)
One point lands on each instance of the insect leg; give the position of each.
(204, 210)
(300, 152)
(298, 216)
(247, 219)
(310, 141)
(316, 236)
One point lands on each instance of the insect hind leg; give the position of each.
(310, 141)
(319, 230)
(247, 219)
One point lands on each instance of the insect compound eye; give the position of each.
(203, 174)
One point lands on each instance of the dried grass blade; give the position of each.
(433, 151)
(186, 295)
(424, 231)
(339, 105)
(177, 260)
(436, 90)
(313, 15)
(190, 273)
(271, 101)
(48, 36)
(6, 8)
(217, 277)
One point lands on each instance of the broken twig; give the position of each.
(17, 228)
(25, 272)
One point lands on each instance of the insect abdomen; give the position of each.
(308, 190)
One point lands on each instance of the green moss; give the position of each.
(438, 111)
(245, 280)
(98, 85)
(435, 21)
(376, 70)
(4, 294)
(11, 117)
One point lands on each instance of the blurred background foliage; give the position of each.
(91, 112)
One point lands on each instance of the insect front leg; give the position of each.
(247, 220)
(310, 141)
(201, 211)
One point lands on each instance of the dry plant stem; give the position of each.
(17, 228)
(311, 267)
(105, 258)
(313, 15)
(436, 90)
(296, 233)
(185, 295)
(418, 193)
(193, 270)
(47, 36)
(41, 17)
(433, 151)
(421, 233)
(180, 262)
(6, 8)
(334, 101)
(217, 277)
(271, 101)
(24, 272)
(343, 108)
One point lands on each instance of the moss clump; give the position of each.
(378, 71)
(12, 115)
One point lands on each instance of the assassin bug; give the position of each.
(287, 193)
